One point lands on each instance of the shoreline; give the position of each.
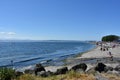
(52, 55)
(91, 58)
(82, 53)
(48, 64)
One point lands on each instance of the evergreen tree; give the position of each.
(110, 38)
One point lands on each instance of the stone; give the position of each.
(61, 71)
(113, 72)
(29, 71)
(108, 68)
(81, 66)
(91, 70)
(44, 73)
(100, 77)
(39, 68)
(80, 71)
(18, 73)
(117, 68)
(49, 73)
(100, 67)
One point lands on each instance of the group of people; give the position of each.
(105, 46)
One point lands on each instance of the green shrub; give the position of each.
(7, 74)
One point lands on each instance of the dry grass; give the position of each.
(26, 77)
(111, 76)
(69, 76)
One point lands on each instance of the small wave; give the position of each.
(67, 55)
(45, 61)
(29, 59)
(22, 69)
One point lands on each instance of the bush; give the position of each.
(6, 73)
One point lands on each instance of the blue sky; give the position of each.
(59, 19)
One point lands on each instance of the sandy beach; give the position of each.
(97, 53)
(92, 57)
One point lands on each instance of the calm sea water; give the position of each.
(48, 53)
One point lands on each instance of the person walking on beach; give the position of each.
(110, 54)
(101, 48)
(12, 63)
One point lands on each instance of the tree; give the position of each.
(110, 38)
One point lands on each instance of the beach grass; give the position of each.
(69, 76)
(111, 76)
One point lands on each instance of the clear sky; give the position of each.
(59, 19)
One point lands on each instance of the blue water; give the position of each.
(30, 53)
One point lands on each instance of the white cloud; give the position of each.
(2, 32)
(7, 33)
(11, 33)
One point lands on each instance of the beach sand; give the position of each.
(97, 53)
(91, 58)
